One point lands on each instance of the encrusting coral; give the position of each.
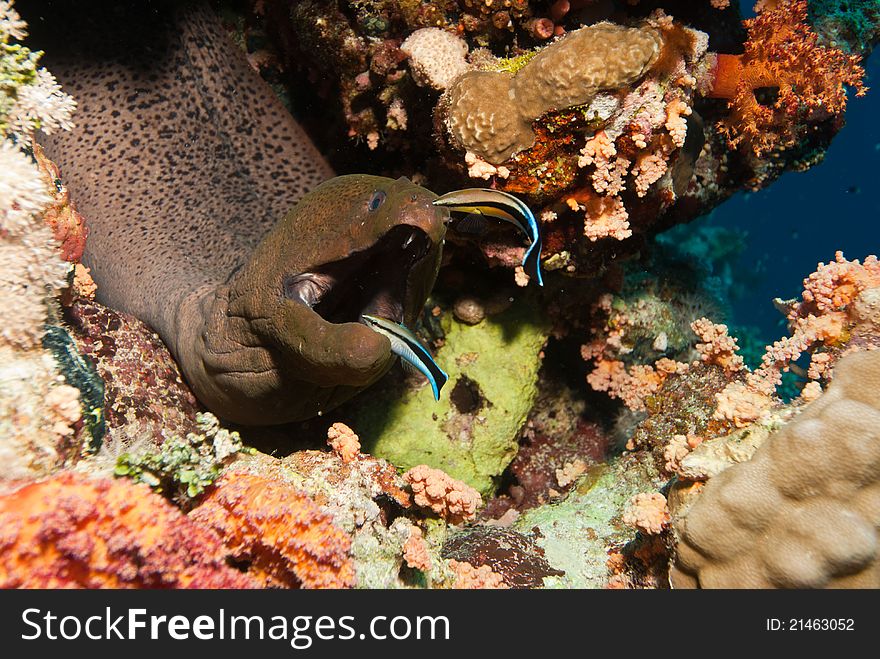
(283, 536)
(802, 512)
(73, 531)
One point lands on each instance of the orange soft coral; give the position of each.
(284, 536)
(717, 346)
(454, 500)
(631, 385)
(836, 284)
(75, 532)
(469, 577)
(344, 442)
(782, 53)
(823, 319)
(648, 513)
(415, 550)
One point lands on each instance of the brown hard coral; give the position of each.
(802, 512)
(280, 533)
(72, 531)
(490, 113)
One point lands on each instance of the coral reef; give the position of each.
(72, 531)
(281, 535)
(576, 532)
(853, 25)
(802, 512)
(364, 498)
(558, 445)
(608, 430)
(611, 143)
(490, 113)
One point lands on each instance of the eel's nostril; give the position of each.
(413, 197)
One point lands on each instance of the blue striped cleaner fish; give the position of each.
(504, 206)
(407, 346)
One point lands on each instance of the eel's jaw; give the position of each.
(376, 281)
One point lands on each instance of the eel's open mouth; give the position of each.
(373, 281)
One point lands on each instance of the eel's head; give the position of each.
(291, 343)
(379, 256)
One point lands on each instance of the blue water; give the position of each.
(804, 217)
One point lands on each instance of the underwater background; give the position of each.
(800, 220)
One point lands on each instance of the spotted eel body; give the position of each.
(186, 167)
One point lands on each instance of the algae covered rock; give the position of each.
(575, 533)
(471, 432)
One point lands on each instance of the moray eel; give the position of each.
(207, 220)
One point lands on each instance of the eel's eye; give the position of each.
(376, 200)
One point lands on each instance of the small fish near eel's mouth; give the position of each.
(373, 281)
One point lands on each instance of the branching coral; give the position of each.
(783, 81)
(75, 532)
(452, 499)
(832, 312)
(835, 316)
(281, 534)
(802, 512)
